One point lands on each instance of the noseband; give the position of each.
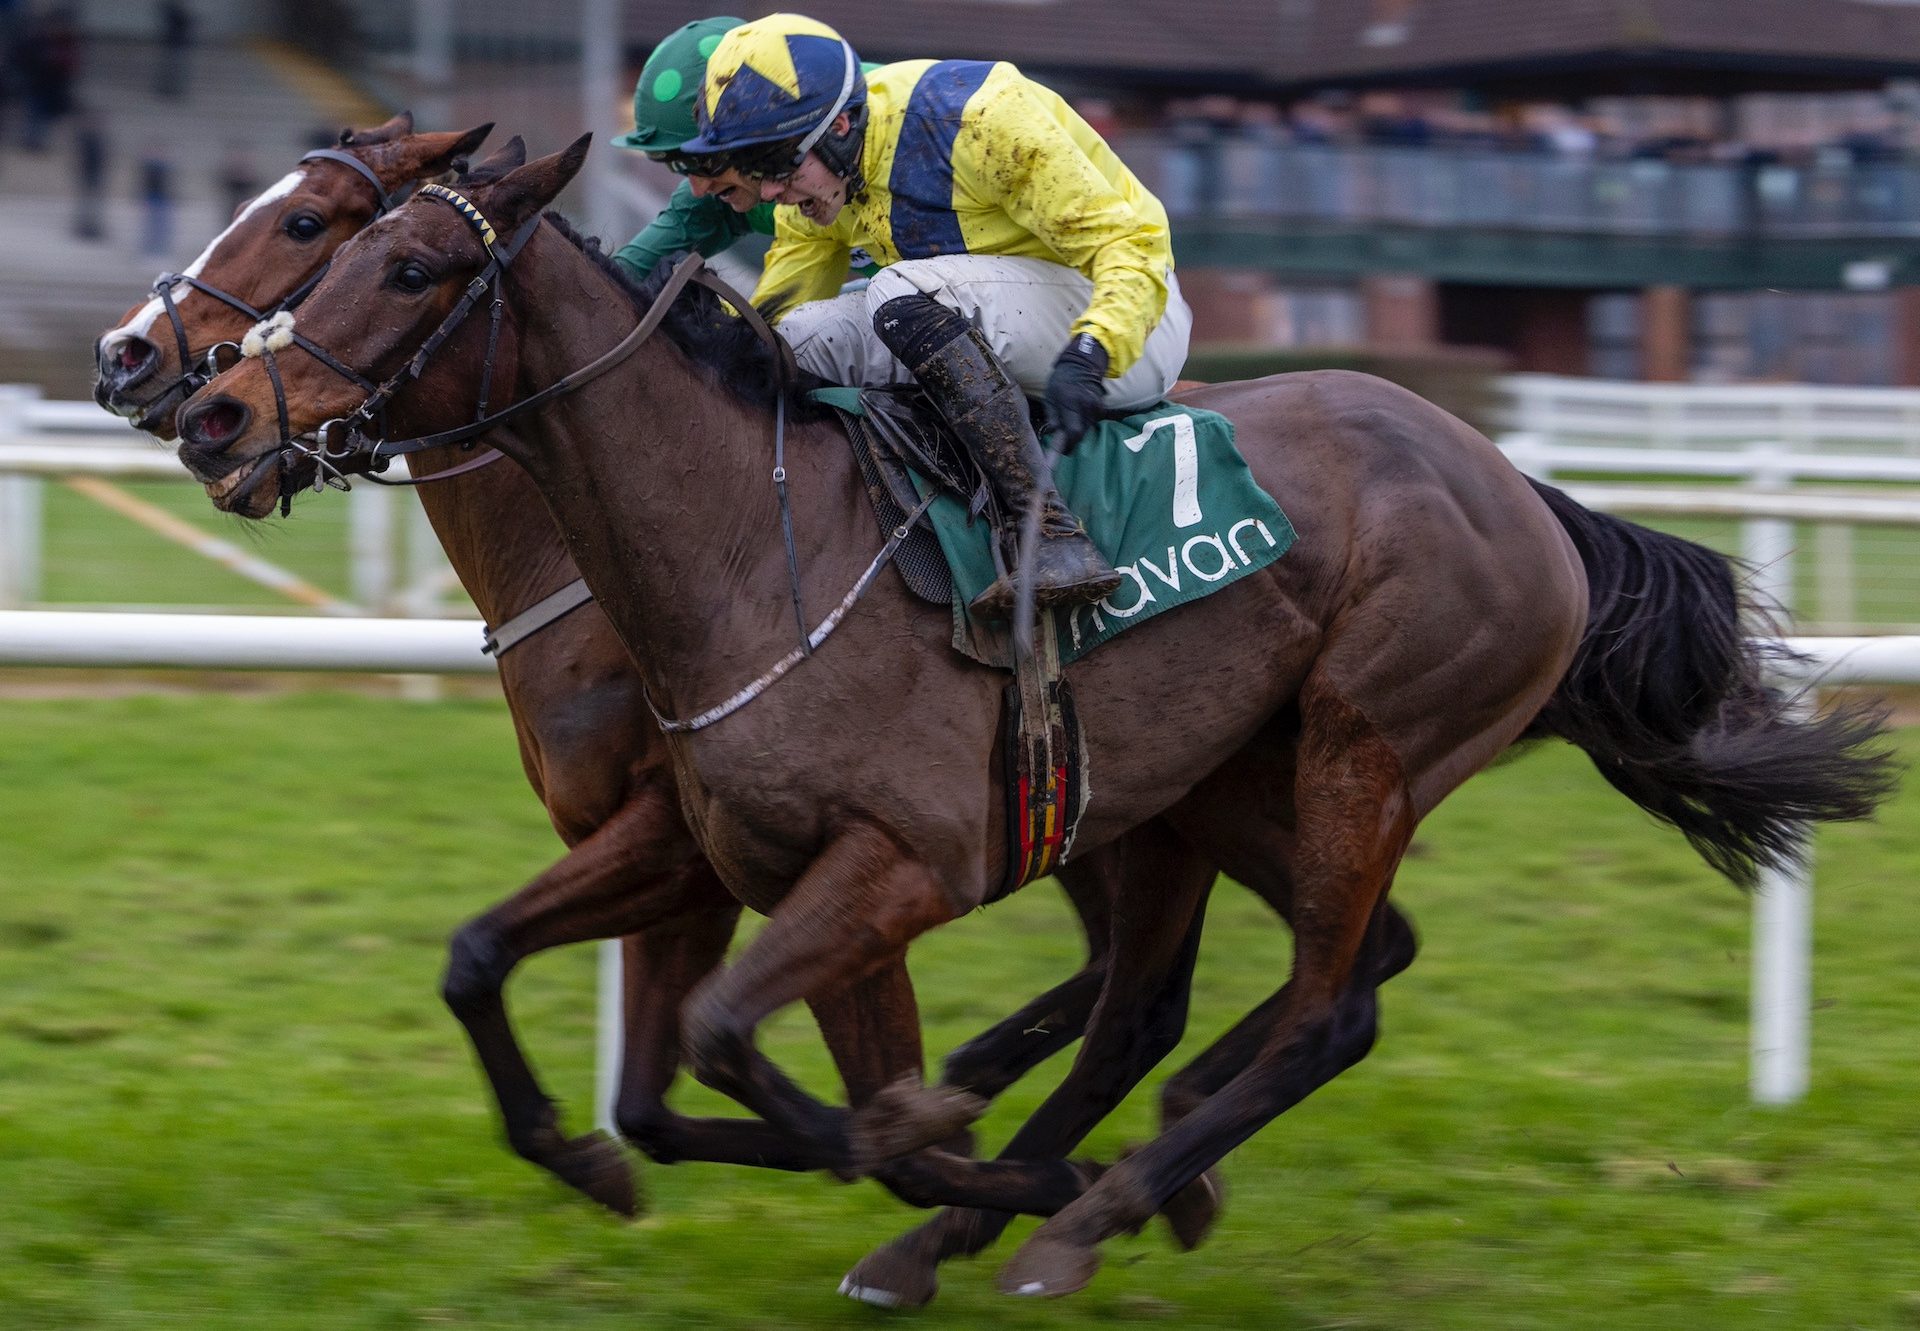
(197, 371)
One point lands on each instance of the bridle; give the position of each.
(369, 455)
(197, 371)
(350, 444)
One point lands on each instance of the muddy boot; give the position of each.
(988, 414)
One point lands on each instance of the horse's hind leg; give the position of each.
(1353, 819)
(996, 1058)
(636, 870)
(1228, 1056)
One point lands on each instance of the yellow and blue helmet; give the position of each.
(776, 83)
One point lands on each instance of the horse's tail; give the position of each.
(1669, 696)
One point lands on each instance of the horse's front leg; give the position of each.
(853, 911)
(1139, 1019)
(636, 870)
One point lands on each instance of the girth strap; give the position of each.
(545, 611)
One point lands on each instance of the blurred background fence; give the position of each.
(1817, 488)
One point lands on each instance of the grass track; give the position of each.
(230, 1099)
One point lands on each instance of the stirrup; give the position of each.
(1095, 581)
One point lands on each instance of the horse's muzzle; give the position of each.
(122, 363)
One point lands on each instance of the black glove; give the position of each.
(1075, 390)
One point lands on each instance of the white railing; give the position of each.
(74, 441)
(1798, 419)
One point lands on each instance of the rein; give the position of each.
(377, 452)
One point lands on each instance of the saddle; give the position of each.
(895, 434)
(895, 431)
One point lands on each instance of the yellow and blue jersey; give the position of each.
(972, 157)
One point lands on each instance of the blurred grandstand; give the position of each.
(1665, 189)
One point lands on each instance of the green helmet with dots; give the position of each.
(670, 85)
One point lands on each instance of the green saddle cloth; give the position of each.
(1169, 501)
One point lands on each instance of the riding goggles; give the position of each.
(693, 164)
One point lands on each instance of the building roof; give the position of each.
(1329, 41)
(1244, 45)
(1191, 37)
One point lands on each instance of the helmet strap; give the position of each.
(842, 153)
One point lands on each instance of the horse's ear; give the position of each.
(524, 192)
(397, 128)
(509, 156)
(423, 156)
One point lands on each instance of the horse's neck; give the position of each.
(661, 481)
(496, 533)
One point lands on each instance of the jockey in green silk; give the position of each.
(1019, 256)
(707, 213)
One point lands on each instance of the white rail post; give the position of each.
(600, 59)
(370, 546)
(433, 69)
(21, 499)
(1782, 985)
(610, 1038)
(420, 598)
(1783, 900)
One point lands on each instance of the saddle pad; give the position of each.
(1166, 497)
(919, 558)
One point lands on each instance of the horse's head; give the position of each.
(386, 292)
(275, 245)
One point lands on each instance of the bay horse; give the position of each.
(596, 758)
(1298, 724)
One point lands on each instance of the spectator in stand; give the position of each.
(176, 47)
(47, 56)
(156, 199)
(89, 175)
(239, 177)
(9, 23)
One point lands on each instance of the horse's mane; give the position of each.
(698, 324)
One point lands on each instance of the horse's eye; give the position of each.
(412, 277)
(305, 226)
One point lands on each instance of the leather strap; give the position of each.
(547, 610)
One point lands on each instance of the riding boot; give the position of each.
(988, 413)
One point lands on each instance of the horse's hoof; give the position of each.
(886, 1278)
(1049, 1268)
(597, 1166)
(907, 1117)
(1190, 1213)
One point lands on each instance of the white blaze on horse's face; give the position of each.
(143, 319)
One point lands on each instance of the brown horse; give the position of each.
(596, 757)
(1298, 725)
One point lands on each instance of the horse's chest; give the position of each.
(757, 829)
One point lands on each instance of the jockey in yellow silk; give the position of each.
(1017, 253)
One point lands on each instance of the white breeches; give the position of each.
(1026, 308)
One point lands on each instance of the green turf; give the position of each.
(229, 1098)
(93, 555)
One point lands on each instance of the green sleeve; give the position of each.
(760, 219)
(706, 226)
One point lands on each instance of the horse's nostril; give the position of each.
(217, 422)
(134, 354)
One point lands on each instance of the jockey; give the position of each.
(707, 213)
(1018, 255)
